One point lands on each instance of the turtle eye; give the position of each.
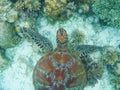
(62, 35)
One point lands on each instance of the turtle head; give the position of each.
(62, 39)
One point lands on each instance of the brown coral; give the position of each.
(58, 9)
(53, 8)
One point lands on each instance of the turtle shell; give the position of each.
(59, 70)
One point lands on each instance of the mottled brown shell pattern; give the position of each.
(59, 70)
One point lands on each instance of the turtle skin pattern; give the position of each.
(59, 70)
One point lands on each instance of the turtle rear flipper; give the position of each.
(94, 70)
(43, 43)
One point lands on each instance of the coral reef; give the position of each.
(28, 11)
(111, 59)
(84, 6)
(8, 37)
(8, 13)
(19, 16)
(12, 16)
(58, 9)
(30, 5)
(62, 9)
(108, 11)
(4, 7)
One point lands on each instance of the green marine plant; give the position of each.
(108, 11)
(60, 68)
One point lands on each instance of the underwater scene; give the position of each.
(59, 44)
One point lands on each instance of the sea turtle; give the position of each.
(66, 67)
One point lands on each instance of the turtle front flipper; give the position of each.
(83, 50)
(43, 43)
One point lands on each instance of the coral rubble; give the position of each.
(111, 60)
